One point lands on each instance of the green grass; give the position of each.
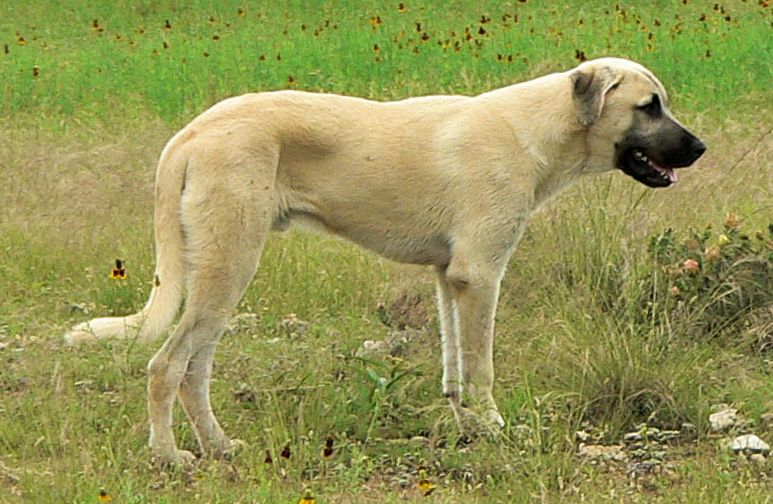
(100, 60)
(589, 334)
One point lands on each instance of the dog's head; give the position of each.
(625, 110)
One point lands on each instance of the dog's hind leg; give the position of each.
(194, 396)
(226, 223)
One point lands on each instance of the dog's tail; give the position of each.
(167, 293)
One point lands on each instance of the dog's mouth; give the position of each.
(636, 163)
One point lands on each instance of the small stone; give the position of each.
(750, 443)
(758, 458)
(582, 436)
(395, 344)
(370, 347)
(766, 420)
(603, 453)
(84, 308)
(645, 467)
(632, 437)
(667, 435)
(723, 420)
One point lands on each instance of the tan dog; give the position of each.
(447, 181)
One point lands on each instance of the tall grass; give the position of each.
(95, 60)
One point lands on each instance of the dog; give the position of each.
(443, 181)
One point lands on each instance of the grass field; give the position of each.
(602, 324)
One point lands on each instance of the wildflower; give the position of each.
(732, 220)
(723, 240)
(691, 265)
(167, 25)
(307, 498)
(286, 452)
(104, 496)
(426, 486)
(328, 447)
(21, 40)
(674, 291)
(711, 254)
(401, 7)
(119, 272)
(375, 21)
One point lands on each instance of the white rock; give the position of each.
(603, 453)
(723, 420)
(582, 436)
(633, 437)
(750, 443)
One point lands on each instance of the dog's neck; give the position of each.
(556, 142)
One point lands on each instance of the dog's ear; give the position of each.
(589, 90)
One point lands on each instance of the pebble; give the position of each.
(750, 443)
(723, 420)
(603, 453)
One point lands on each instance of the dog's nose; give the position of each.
(698, 148)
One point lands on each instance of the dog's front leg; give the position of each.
(474, 289)
(449, 340)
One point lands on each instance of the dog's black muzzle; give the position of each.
(651, 153)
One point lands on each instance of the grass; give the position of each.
(589, 335)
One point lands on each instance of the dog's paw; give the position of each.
(175, 458)
(472, 423)
(231, 448)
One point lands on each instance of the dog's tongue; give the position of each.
(669, 172)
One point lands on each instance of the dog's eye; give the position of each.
(653, 107)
